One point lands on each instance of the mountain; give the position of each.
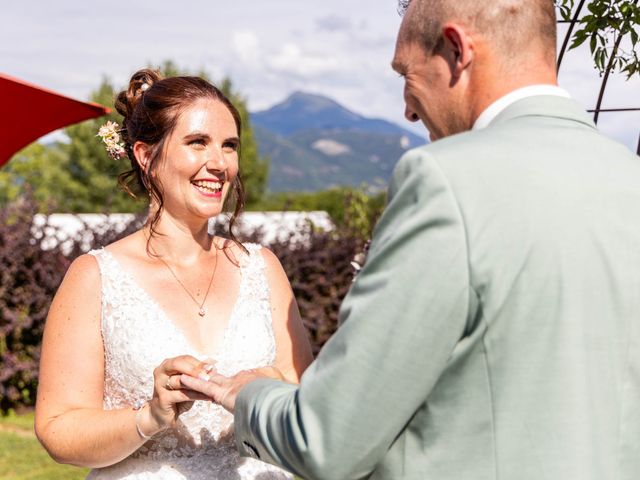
(315, 143)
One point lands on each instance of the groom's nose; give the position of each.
(410, 114)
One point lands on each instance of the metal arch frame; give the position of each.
(598, 108)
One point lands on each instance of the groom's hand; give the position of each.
(224, 390)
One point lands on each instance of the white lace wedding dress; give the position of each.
(138, 336)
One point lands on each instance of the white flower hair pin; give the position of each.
(110, 134)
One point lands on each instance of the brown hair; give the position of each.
(151, 107)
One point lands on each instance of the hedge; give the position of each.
(319, 270)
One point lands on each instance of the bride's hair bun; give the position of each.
(140, 83)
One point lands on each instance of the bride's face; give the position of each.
(200, 161)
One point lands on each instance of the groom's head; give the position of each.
(458, 56)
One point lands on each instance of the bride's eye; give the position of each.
(230, 145)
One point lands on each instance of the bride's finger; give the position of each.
(209, 365)
(172, 383)
(183, 364)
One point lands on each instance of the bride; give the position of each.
(169, 298)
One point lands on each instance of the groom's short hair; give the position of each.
(513, 25)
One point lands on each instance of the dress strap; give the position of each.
(106, 263)
(253, 269)
(98, 253)
(115, 287)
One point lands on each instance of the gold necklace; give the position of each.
(201, 311)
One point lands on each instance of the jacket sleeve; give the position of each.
(399, 325)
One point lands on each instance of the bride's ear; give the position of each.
(142, 152)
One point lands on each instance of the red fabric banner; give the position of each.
(28, 112)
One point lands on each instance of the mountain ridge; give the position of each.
(314, 143)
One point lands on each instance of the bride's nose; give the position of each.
(216, 160)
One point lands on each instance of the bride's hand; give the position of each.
(168, 394)
(224, 390)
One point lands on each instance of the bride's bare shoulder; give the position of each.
(132, 246)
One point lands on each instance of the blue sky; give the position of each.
(339, 48)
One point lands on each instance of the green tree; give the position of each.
(93, 186)
(606, 24)
(79, 176)
(35, 167)
(355, 210)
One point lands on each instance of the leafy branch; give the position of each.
(606, 25)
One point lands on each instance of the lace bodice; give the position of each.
(138, 335)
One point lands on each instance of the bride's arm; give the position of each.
(70, 421)
(293, 350)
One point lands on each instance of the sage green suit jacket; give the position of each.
(494, 332)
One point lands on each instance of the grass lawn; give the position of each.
(22, 457)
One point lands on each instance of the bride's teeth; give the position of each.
(208, 185)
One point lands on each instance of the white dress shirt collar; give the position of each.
(493, 110)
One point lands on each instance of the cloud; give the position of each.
(333, 23)
(247, 46)
(292, 60)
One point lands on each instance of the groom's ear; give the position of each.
(458, 48)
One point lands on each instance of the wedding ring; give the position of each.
(168, 384)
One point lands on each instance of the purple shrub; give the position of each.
(318, 268)
(29, 278)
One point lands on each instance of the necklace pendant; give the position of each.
(201, 312)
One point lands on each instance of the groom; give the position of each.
(494, 332)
